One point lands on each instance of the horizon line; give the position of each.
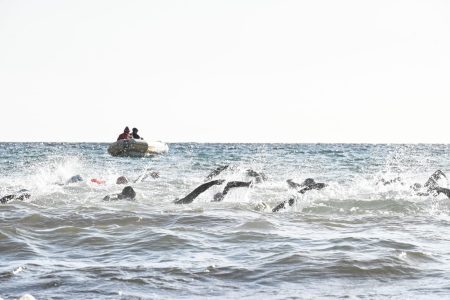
(221, 142)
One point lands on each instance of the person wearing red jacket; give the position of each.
(125, 135)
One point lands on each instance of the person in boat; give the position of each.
(125, 135)
(135, 134)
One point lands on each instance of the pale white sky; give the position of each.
(225, 71)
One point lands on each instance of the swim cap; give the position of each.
(122, 180)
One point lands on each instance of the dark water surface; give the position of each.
(357, 238)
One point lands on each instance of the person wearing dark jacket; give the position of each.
(135, 135)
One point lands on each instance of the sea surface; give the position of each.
(358, 238)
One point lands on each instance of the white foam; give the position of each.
(27, 297)
(18, 270)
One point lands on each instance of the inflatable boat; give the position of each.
(134, 147)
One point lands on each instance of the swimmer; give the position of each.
(230, 185)
(196, 192)
(20, 195)
(307, 185)
(127, 193)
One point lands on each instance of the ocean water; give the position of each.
(356, 238)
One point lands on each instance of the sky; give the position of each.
(228, 71)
